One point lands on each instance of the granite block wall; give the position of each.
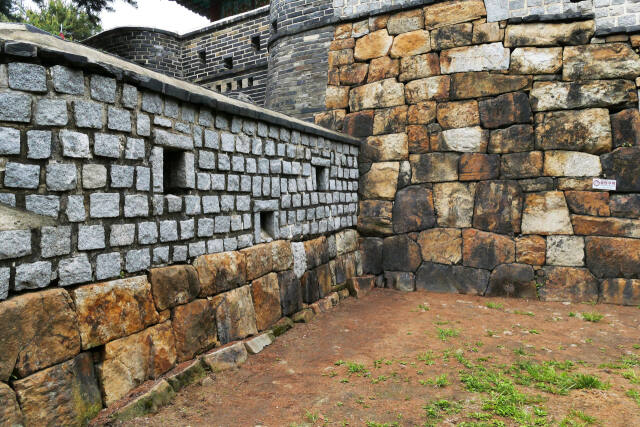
(486, 147)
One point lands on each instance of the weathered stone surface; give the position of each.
(625, 128)
(452, 36)
(385, 93)
(220, 272)
(326, 280)
(512, 281)
(514, 139)
(582, 130)
(337, 97)
(441, 245)
(382, 148)
(448, 13)
(505, 110)
(418, 139)
(616, 227)
(310, 287)
(265, 293)
(521, 165)
(623, 165)
(534, 60)
(282, 326)
(184, 376)
(419, 66)
(588, 202)
(161, 394)
(410, 44)
(537, 184)
(267, 257)
(422, 113)
(317, 251)
(194, 325)
(484, 57)
(568, 284)
(433, 167)
(375, 217)
(481, 84)
(546, 213)
(373, 45)
(174, 285)
(226, 358)
(256, 344)
(353, 74)
(405, 21)
(10, 412)
(383, 68)
(577, 184)
(476, 166)
(389, 120)
(531, 250)
(571, 163)
(430, 88)
(360, 286)
(600, 61)
(65, 394)
(340, 44)
(358, 124)
(339, 58)
(486, 250)
(458, 114)
(467, 140)
(454, 203)
(546, 96)
(333, 119)
(111, 310)
(442, 278)
(413, 209)
(620, 291)
(305, 315)
(613, 257)
(498, 206)
(625, 205)
(565, 250)
(371, 250)
(290, 296)
(400, 253)
(400, 281)
(130, 361)
(380, 181)
(37, 330)
(549, 34)
(235, 315)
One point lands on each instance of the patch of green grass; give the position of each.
(491, 333)
(311, 417)
(495, 305)
(534, 331)
(592, 316)
(632, 376)
(553, 377)
(463, 360)
(520, 351)
(572, 314)
(440, 381)
(524, 313)
(426, 357)
(381, 378)
(423, 307)
(375, 424)
(634, 395)
(437, 409)
(578, 419)
(356, 368)
(445, 333)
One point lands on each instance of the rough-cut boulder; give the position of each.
(467, 140)
(265, 293)
(382, 94)
(568, 284)
(504, 110)
(10, 412)
(375, 217)
(459, 114)
(388, 120)
(498, 206)
(37, 330)
(625, 205)
(410, 44)
(371, 250)
(512, 280)
(583, 130)
(235, 316)
(547, 96)
(588, 202)
(613, 257)
(536, 60)
(476, 166)
(623, 165)
(448, 13)
(422, 113)
(358, 124)
(383, 148)
(174, 285)
(441, 245)
(486, 250)
(317, 252)
(220, 272)
(346, 241)
(620, 291)
(454, 203)
(452, 36)
(63, 395)
(337, 97)
(442, 278)
(531, 250)
(128, 362)
(194, 326)
(419, 140)
(326, 278)
(521, 165)
(514, 139)
(413, 209)
(381, 181)
(333, 119)
(549, 34)
(110, 310)
(484, 57)
(353, 74)
(481, 84)
(431, 88)
(616, 227)
(373, 45)
(571, 163)
(405, 21)
(400, 253)
(625, 128)
(600, 61)
(400, 281)
(565, 250)
(546, 213)
(419, 67)
(290, 295)
(267, 257)
(309, 287)
(383, 68)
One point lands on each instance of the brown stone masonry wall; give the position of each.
(66, 353)
(483, 140)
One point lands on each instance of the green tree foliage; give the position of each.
(75, 23)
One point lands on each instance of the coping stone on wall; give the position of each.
(49, 47)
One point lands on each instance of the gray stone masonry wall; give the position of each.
(137, 179)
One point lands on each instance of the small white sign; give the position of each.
(604, 184)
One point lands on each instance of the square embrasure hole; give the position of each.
(267, 226)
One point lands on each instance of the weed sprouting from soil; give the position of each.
(445, 333)
(593, 317)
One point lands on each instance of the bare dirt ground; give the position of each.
(394, 359)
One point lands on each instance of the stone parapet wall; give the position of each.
(483, 142)
(69, 352)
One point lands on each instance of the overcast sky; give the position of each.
(163, 14)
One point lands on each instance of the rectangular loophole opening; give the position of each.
(174, 171)
(255, 42)
(202, 54)
(267, 225)
(322, 178)
(228, 62)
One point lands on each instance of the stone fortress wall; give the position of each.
(146, 221)
(483, 140)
